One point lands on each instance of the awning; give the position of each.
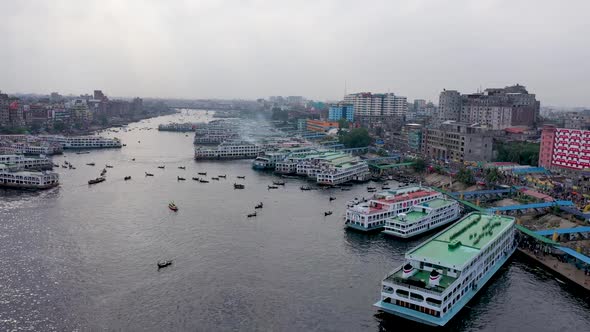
(535, 235)
(575, 254)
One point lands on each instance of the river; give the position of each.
(81, 257)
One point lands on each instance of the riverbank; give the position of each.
(564, 270)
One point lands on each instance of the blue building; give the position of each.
(339, 111)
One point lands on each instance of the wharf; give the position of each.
(565, 270)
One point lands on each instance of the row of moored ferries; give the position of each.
(441, 275)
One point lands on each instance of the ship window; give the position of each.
(402, 293)
(416, 297)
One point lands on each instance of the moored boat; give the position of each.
(97, 180)
(423, 218)
(440, 276)
(239, 186)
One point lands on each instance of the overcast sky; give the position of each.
(252, 49)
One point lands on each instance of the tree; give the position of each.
(279, 114)
(465, 175)
(524, 153)
(492, 175)
(382, 153)
(419, 165)
(356, 138)
(343, 123)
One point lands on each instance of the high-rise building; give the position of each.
(496, 108)
(449, 105)
(379, 104)
(339, 111)
(99, 95)
(563, 148)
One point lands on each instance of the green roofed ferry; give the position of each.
(424, 217)
(442, 274)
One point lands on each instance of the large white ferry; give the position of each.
(83, 142)
(229, 150)
(423, 218)
(13, 178)
(442, 274)
(372, 214)
(40, 163)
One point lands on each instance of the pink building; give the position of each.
(565, 148)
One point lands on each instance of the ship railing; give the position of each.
(396, 281)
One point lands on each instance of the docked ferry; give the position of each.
(229, 150)
(38, 163)
(11, 178)
(371, 215)
(423, 218)
(442, 274)
(83, 142)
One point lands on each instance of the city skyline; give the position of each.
(256, 49)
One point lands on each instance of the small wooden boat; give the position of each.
(173, 207)
(327, 213)
(109, 166)
(371, 188)
(258, 206)
(55, 165)
(162, 264)
(181, 167)
(272, 187)
(97, 180)
(241, 177)
(64, 166)
(305, 188)
(385, 188)
(202, 173)
(239, 186)
(222, 176)
(132, 159)
(91, 164)
(104, 171)
(161, 167)
(128, 177)
(250, 215)
(148, 174)
(179, 178)
(279, 183)
(196, 178)
(203, 181)
(214, 178)
(83, 152)
(332, 198)
(345, 189)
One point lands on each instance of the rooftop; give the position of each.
(417, 214)
(458, 244)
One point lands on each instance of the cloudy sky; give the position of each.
(256, 48)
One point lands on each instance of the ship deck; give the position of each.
(420, 280)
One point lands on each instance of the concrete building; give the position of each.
(495, 108)
(455, 141)
(577, 120)
(380, 104)
(339, 111)
(563, 148)
(321, 126)
(412, 133)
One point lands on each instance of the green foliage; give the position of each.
(356, 138)
(13, 130)
(59, 126)
(523, 153)
(492, 175)
(343, 123)
(465, 175)
(419, 165)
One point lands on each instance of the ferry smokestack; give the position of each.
(434, 279)
(408, 271)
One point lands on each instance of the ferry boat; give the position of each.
(37, 163)
(14, 177)
(229, 150)
(423, 218)
(370, 215)
(267, 161)
(441, 275)
(83, 142)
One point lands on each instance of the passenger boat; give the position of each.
(179, 178)
(239, 186)
(203, 181)
(15, 178)
(229, 150)
(163, 264)
(127, 178)
(423, 218)
(440, 276)
(97, 180)
(90, 164)
(148, 174)
(173, 206)
(372, 214)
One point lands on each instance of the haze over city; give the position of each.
(252, 49)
